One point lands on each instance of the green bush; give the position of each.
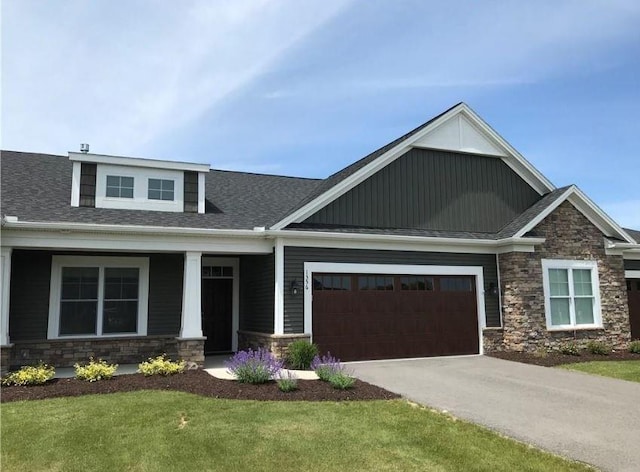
(341, 381)
(161, 366)
(300, 353)
(599, 348)
(30, 375)
(287, 383)
(95, 370)
(634, 347)
(570, 349)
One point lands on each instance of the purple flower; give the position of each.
(327, 366)
(254, 367)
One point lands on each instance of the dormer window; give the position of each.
(160, 189)
(119, 186)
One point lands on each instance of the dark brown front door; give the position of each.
(217, 313)
(633, 290)
(364, 316)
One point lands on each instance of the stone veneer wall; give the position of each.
(569, 235)
(277, 344)
(131, 350)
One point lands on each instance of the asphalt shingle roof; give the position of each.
(37, 187)
(635, 234)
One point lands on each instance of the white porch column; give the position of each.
(192, 296)
(5, 283)
(278, 321)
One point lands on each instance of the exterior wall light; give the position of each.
(294, 287)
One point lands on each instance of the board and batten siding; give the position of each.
(257, 285)
(295, 257)
(30, 284)
(630, 264)
(431, 189)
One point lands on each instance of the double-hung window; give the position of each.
(161, 189)
(98, 296)
(119, 186)
(572, 295)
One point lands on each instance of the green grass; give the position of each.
(149, 431)
(625, 370)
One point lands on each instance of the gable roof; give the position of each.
(343, 181)
(635, 234)
(39, 190)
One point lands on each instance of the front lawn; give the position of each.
(153, 430)
(625, 370)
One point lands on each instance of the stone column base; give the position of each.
(191, 350)
(493, 340)
(278, 344)
(5, 356)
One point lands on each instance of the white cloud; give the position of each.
(626, 213)
(120, 77)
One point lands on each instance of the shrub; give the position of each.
(326, 366)
(161, 366)
(95, 370)
(30, 375)
(570, 349)
(599, 348)
(341, 381)
(287, 382)
(254, 367)
(300, 354)
(634, 347)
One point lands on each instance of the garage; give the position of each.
(360, 316)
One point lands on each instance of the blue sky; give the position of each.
(306, 87)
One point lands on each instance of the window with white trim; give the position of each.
(160, 189)
(572, 294)
(98, 296)
(119, 186)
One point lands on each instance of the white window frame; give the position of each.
(101, 262)
(161, 190)
(133, 186)
(569, 266)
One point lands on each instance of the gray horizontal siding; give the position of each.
(631, 264)
(30, 283)
(438, 190)
(257, 284)
(295, 257)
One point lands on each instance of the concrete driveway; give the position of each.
(584, 417)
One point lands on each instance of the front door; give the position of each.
(217, 314)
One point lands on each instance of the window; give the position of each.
(217, 272)
(571, 293)
(456, 284)
(160, 189)
(332, 282)
(375, 282)
(119, 187)
(98, 296)
(419, 282)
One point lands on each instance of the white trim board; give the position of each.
(632, 274)
(512, 158)
(353, 268)
(137, 162)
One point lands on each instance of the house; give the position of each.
(445, 241)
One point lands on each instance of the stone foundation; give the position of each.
(278, 344)
(5, 355)
(66, 352)
(191, 350)
(569, 235)
(493, 340)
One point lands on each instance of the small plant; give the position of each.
(634, 347)
(161, 366)
(254, 367)
(30, 375)
(287, 382)
(300, 354)
(570, 349)
(326, 366)
(95, 370)
(540, 353)
(599, 348)
(341, 381)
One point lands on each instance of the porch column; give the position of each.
(278, 321)
(192, 296)
(5, 283)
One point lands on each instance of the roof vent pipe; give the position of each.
(84, 147)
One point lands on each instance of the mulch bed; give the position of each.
(554, 359)
(198, 382)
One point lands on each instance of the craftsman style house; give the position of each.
(444, 242)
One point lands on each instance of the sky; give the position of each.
(305, 88)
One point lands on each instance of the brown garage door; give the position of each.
(633, 290)
(369, 316)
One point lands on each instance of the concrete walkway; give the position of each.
(581, 416)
